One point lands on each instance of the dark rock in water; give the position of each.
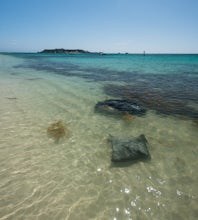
(129, 149)
(120, 106)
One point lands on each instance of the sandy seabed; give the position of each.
(74, 178)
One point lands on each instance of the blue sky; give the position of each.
(156, 26)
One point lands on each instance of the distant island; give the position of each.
(65, 51)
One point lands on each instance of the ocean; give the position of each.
(71, 176)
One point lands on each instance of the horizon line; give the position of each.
(123, 53)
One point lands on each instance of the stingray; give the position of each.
(115, 106)
(129, 149)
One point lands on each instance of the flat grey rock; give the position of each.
(129, 149)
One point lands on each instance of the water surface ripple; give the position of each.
(74, 178)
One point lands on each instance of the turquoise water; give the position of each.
(149, 64)
(165, 83)
(74, 177)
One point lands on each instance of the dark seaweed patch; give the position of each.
(169, 93)
(167, 96)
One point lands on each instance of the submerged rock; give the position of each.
(129, 149)
(115, 106)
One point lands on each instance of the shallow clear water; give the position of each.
(74, 178)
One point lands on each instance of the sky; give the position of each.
(110, 26)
